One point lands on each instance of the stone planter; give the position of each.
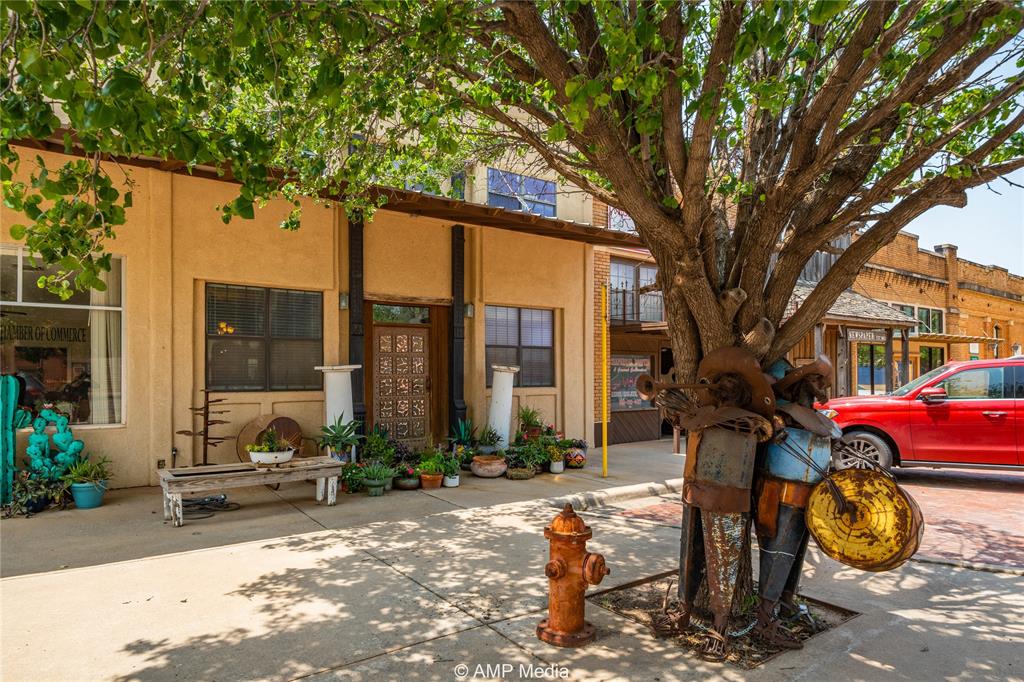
(374, 488)
(488, 466)
(411, 483)
(521, 474)
(430, 481)
(451, 481)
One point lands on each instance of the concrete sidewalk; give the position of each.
(130, 523)
(413, 599)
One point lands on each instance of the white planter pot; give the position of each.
(279, 457)
(450, 481)
(558, 467)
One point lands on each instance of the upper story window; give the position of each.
(524, 338)
(619, 221)
(521, 192)
(263, 339)
(626, 302)
(929, 320)
(68, 354)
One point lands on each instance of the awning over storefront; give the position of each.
(954, 338)
(854, 309)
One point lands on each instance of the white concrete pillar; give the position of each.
(499, 416)
(338, 394)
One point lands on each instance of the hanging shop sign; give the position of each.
(865, 335)
(623, 372)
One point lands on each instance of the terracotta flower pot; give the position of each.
(488, 466)
(431, 481)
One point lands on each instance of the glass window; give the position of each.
(932, 358)
(68, 354)
(929, 321)
(976, 384)
(522, 337)
(401, 314)
(626, 303)
(619, 221)
(263, 339)
(871, 369)
(521, 192)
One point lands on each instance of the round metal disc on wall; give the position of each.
(252, 432)
(879, 530)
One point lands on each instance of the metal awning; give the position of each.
(954, 338)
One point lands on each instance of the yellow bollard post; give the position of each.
(604, 381)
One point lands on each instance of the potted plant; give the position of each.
(431, 470)
(529, 421)
(407, 477)
(450, 467)
(270, 449)
(575, 453)
(352, 476)
(375, 475)
(378, 447)
(32, 494)
(488, 466)
(340, 438)
(536, 453)
(520, 466)
(489, 441)
(463, 433)
(88, 481)
(556, 459)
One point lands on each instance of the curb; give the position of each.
(602, 498)
(969, 565)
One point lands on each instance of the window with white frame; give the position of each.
(65, 353)
(521, 192)
(619, 221)
(929, 320)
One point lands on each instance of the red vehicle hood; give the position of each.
(860, 401)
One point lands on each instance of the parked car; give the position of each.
(963, 414)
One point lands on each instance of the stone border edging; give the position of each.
(600, 498)
(969, 565)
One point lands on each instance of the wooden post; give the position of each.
(905, 359)
(356, 338)
(819, 339)
(843, 357)
(888, 360)
(457, 330)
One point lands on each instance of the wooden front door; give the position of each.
(401, 382)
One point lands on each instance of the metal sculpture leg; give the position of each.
(691, 563)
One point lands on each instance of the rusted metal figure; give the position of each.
(794, 461)
(570, 569)
(729, 415)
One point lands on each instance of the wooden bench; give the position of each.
(200, 479)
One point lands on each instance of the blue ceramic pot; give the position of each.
(88, 495)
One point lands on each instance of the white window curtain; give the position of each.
(106, 352)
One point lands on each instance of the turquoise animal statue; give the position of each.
(46, 462)
(12, 418)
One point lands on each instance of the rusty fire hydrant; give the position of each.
(570, 569)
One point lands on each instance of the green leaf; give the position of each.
(18, 232)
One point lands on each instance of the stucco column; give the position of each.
(338, 391)
(499, 416)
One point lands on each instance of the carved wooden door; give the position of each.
(401, 385)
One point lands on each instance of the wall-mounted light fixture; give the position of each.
(343, 300)
(468, 310)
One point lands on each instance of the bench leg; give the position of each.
(332, 491)
(177, 516)
(320, 484)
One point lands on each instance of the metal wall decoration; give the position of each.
(205, 413)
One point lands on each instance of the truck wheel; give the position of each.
(869, 446)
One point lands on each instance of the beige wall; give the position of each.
(174, 243)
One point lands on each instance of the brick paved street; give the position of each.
(970, 515)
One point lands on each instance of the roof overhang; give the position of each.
(398, 200)
(954, 338)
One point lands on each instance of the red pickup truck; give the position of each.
(963, 414)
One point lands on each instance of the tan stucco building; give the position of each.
(247, 310)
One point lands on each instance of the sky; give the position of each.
(989, 230)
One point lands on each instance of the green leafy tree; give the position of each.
(740, 137)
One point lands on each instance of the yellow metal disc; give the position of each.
(882, 526)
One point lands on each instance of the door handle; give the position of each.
(994, 414)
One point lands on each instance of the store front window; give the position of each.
(871, 369)
(931, 358)
(67, 353)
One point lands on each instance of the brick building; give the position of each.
(909, 311)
